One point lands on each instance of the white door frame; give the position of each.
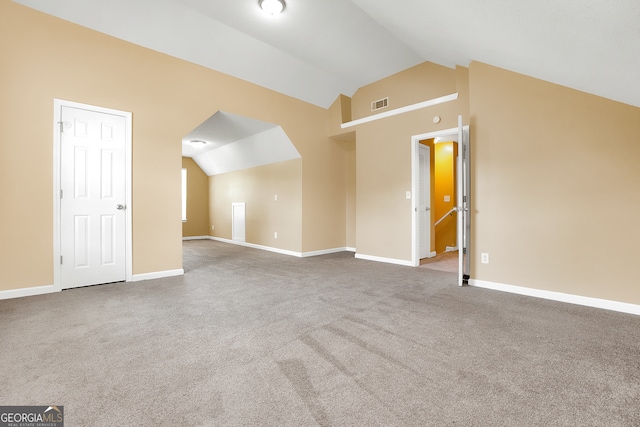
(57, 112)
(415, 169)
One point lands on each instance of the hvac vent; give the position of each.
(380, 103)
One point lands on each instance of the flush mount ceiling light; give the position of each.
(198, 143)
(272, 7)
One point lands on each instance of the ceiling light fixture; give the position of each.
(198, 143)
(272, 7)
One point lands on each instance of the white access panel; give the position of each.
(238, 221)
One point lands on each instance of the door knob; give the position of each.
(120, 207)
(427, 209)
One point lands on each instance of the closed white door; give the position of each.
(424, 201)
(93, 197)
(238, 227)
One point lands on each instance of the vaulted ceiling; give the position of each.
(318, 49)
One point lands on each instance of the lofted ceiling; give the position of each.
(227, 142)
(318, 49)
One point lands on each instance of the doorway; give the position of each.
(92, 195)
(459, 201)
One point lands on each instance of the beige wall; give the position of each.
(351, 194)
(264, 215)
(42, 58)
(383, 155)
(554, 194)
(197, 223)
(416, 84)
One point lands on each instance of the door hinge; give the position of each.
(61, 126)
(464, 199)
(60, 259)
(464, 250)
(61, 193)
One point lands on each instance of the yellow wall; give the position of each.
(197, 223)
(42, 58)
(554, 174)
(264, 215)
(445, 169)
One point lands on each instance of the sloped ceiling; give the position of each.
(318, 49)
(228, 142)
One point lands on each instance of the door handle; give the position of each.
(120, 207)
(427, 209)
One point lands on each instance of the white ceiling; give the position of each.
(318, 49)
(234, 142)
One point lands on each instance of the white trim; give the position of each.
(401, 110)
(254, 246)
(451, 249)
(622, 307)
(27, 292)
(348, 249)
(57, 111)
(158, 274)
(386, 260)
(323, 252)
(196, 238)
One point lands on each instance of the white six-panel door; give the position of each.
(93, 197)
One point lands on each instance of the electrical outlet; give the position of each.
(484, 258)
(213, 227)
(275, 234)
(275, 197)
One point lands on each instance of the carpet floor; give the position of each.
(248, 337)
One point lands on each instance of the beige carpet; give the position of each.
(251, 338)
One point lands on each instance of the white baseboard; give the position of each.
(451, 249)
(323, 252)
(27, 292)
(382, 259)
(158, 274)
(348, 249)
(280, 251)
(622, 307)
(196, 238)
(254, 246)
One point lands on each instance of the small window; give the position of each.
(184, 194)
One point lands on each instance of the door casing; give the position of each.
(415, 141)
(57, 111)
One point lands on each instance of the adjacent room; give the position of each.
(284, 212)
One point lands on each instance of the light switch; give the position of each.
(408, 195)
(447, 198)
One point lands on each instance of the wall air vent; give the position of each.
(380, 103)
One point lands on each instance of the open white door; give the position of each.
(464, 223)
